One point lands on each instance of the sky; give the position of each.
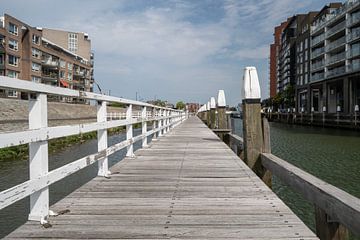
(170, 49)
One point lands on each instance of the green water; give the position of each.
(330, 154)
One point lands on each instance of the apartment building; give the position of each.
(335, 58)
(302, 65)
(287, 54)
(53, 57)
(274, 58)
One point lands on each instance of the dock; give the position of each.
(187, 184)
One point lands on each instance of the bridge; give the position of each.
(184, 184)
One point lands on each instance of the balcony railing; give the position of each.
(355, 18)
(335, 29)
(50, 62)
(354, 35)
(317, 77)
(354, 52)
(317, 65)
(317, 52)
(335, 44)
(336, 71)
(50, 75)
(354, 66)
(336, 58)
(317, 39)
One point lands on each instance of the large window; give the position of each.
(35, 67)
(13, 44)
(13, 29)
(62, 74)
(62, 63)
(69, 78)
(70, 66)
(12, 74)
(13, 61)
(1, 59)
(36, 39)
(73, 42)
(36, 53)
(36, 79)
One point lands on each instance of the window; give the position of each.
(1, 59)
(35, 67)
(306, 55)
(69, 78)
(13, 44)
(36, 39)
(62, 63)
(13, 29)
(70, 66)
(62, 74)
(306, 43)
(12, 74)
(306, 67)
(73, 42)
(306, 78)
(36, 79)
(36, 53)
(12, 93)
(13, 61)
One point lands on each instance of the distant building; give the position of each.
(274, 58)
(192, 107)
(53, 57)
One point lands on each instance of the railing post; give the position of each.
(165, 121)
(221, 109)
(212, 113)
(129, 132)
(326, 229)
(38, 158)
(102, 139)
(208, 114)
(252, 127)
(154, 124)
(160, 122)
(144, 126)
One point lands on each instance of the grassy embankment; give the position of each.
(21, 152)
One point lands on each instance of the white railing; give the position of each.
(38, 135)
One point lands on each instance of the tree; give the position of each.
(180, 105)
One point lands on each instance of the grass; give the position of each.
(21, 152)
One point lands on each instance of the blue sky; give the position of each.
(172, 50)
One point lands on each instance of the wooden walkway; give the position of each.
(186, 185)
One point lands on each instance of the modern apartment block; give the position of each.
(274, 58)
(53, 57)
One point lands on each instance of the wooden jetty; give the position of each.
(186, 185)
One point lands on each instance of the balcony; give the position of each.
(336, 44)
(318, 52)
(79, 73)
(50, 76)
(336, 58)
(337, 28)
(353, 67)
(318, 66)
(317, 40)
(354, 52)
(317, 77)
(355, 35)
(336, 71)
(355, 18)
(49, 62)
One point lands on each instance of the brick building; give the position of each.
(53, 57)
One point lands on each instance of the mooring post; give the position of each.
(38, 158)
(129, 132)
(212, 112)
(252, 123)
(103, 169)
(221, 109)
(328, 229)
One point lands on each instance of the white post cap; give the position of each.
(324, 109)
(251, 84)
(356, 108)
(338, 109)
(208, 106)
(221, 99)
(212, 103)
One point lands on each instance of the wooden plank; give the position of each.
(173, 190)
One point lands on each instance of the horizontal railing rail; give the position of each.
(163, 120)
(339, 205)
